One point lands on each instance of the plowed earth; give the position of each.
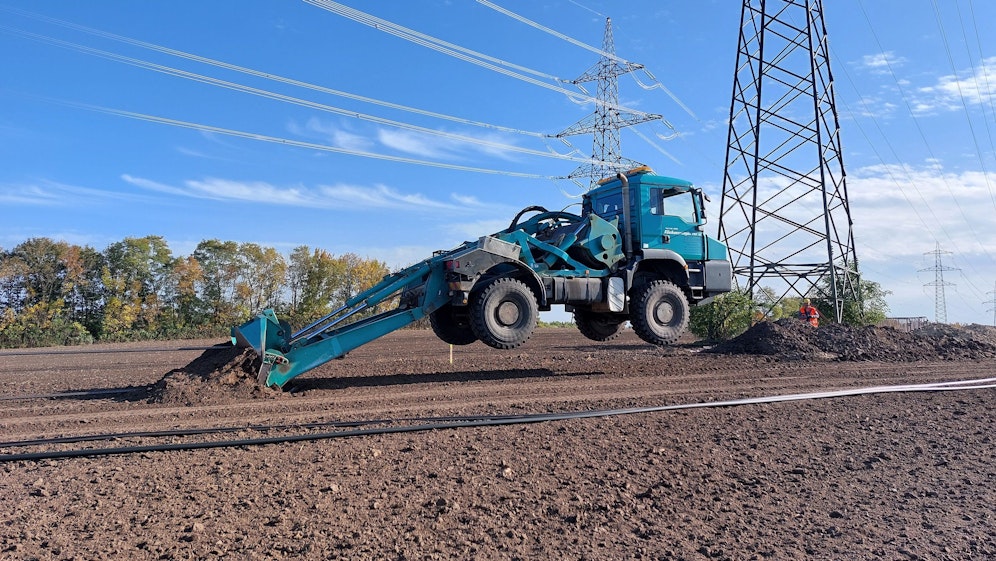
(899, 475)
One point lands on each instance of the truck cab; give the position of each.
(665, 222)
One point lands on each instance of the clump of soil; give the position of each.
(791, 339)
(222, 374)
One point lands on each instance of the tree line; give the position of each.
(57, 293)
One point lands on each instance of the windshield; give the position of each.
(671, 202)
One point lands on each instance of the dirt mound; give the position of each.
(222, 374)
(782, 338)
(792, 339)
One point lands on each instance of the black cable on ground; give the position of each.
(491, 422)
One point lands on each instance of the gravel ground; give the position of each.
(906, 475)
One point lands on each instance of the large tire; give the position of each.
(452, 326)
(598, 327)
(659, 313)
(504, 313)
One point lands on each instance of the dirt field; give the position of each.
(899, 476)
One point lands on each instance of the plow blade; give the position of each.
(268, 337)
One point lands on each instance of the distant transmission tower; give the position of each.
(992, 303)
(784, 213)
(940, 306)
(609, 117)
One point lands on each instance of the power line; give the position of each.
(608, 54)
(297, 101)
(964, 104)
(260, 74)
(464, 54)
(297, 143)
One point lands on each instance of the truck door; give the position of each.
(671, 221)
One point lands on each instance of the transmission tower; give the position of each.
(992, 303)
(784, 214)
(608, 117)
(940, 306)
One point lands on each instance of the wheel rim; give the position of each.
(664, 312)
(507, 313)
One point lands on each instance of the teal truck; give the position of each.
(636, 253)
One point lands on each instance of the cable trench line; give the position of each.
(444, 423)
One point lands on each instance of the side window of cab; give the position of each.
(608, 207)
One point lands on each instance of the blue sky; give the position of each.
(270, 124)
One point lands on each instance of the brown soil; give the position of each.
(882, 476)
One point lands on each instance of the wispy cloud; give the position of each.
(377, 196)
(324, 131)
(973, 87)
(881, 63)
(50, 193)
(442, 146)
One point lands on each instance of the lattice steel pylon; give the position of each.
(608, 117)
(784, 214)
(940, 302)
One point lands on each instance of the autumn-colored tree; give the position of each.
(35, 278)
(56, 293)
(138, 283)
(84, 290)
(264, 272)
(187, 314)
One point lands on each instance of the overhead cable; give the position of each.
(461, 53)
(293, 100)
(297, 143)
(923, 137)
(655, 83)
(267, 75)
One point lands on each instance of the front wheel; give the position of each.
(659, 313)
(504, 313)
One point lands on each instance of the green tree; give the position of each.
(41, 324)
(264, 272)
(39, 266)
(726, 316)
(220, 264)
(138, 282)
(323, 285)
(869, 308)
(35, 278)
(773, 308)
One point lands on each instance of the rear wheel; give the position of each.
(503, 314)
(452, 325)
(598, 327)
(659, 313)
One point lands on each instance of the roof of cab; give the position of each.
(644, 174)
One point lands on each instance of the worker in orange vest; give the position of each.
(809, 313)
